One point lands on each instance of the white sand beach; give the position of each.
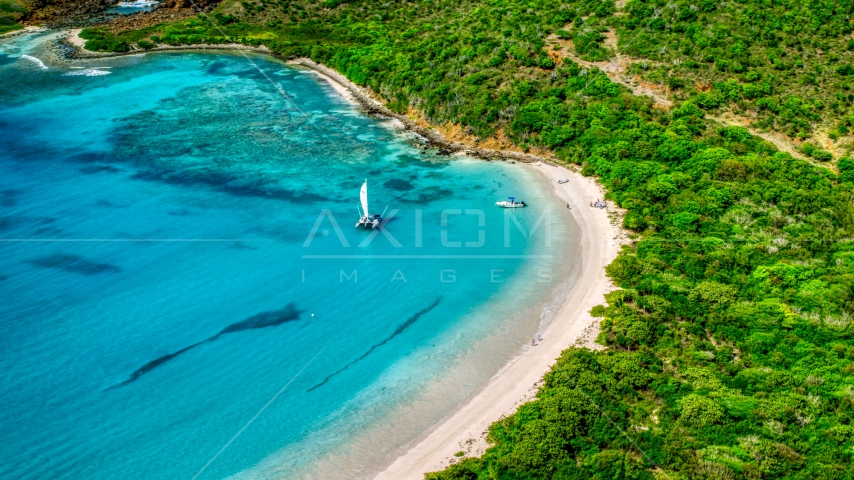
(346, 91)
(465, 429)
(74, 38)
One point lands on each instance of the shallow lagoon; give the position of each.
(178, 249)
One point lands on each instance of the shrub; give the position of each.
(699, 411)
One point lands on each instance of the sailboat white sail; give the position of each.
(367, 220)
(363, 195)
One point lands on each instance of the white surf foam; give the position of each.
(87, 72)
(35, 60)
(138, 4)
(396, 124)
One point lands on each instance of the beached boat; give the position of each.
(565, 180)
(510, 203)
(367, 220)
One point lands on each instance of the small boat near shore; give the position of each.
(565, 180)
(510, 203)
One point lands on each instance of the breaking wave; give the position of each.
(35, 60)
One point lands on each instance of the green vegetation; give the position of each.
(730, 350)
(782, 65)
(99, 39)
(11, 11)
(786, 63)
(730, 343)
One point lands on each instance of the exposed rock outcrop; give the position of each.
(86, 13)
(56, 13)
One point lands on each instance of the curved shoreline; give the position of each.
(23, 31)
(73, 40)
(338, 81)
(434, 137)
(464, 428)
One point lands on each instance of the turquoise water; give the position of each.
(171, 271)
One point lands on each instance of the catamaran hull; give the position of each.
(369, 222)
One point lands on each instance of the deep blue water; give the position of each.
(170, 263)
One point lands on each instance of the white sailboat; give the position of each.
(367, 220)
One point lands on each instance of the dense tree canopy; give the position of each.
(788, 61)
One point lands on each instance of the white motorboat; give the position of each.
(510, 203)
(565, 180)
(367, 220)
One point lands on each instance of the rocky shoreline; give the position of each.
(431, 135)
(92, 13)
(368, 102)
(160, 14)
(23, 31)
(64, 13)
(77, 52)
